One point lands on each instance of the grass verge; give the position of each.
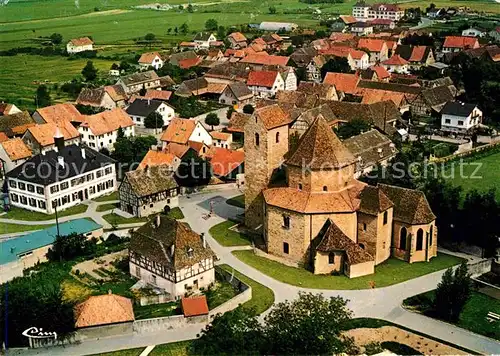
(6, 228)
(238, 201)
(390, 272)
(262, 297)
(157, 310)
(179, 348)
(115, 219)
(176, 213)
(16, 213)
(112, 196)
(106, 207)
(226, 237)
(129, 352)
(473, 316)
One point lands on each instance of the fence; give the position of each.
(467, 153)
(156, 299)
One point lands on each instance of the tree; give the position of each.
(169, 30)
(42, 96)
(124, 65)
(353, 128)
(452, 293)
(248, 109)
(189, 8)
(176, 30)
(211, 25)
(416, 39)
(150, 37)
(66, 248)
(120, 133)
(56, 38)
(89, 72)
(221, 32)
(154, 121)
(337, 65)
(115, 66)
(212, 119)
(309, 325)
(184, 28)
(272, 10)
(193, 171)
(229, 112)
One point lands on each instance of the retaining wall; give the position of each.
(479, 268)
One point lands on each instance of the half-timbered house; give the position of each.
(148, 191)
(167, 254)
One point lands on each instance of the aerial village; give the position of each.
(228, 178)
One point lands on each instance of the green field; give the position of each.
(226, 237)
(390, 272)
(486, 177)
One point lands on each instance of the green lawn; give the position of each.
(179, 348)
(129, 352)
(27, 215)
(13, 228)
(238, 201)
(391, 272)
(106, 207)
(486, 177)
(221, 294)
(157, 310)
(473, 317)
(115, 219)
(262, 297)
(176, 213)
(112, 196)
(226, 237)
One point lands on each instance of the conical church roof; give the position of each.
(320, 148)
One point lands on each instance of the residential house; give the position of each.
(228, 72)
(357, 59)
(150, 60)
(181, 131)
(362, 28)
(15, 125)
(8, 109)
(236, 94)
(203, 39)
(237, 123)
(371, 96)
(190, 62)
(260, 60)
(140, 109)
(148, 190)
(495, 33)
(13, 153)
(108, 97)
(165, 253)
(370, 148)
(221, 139)
(460, 117)
(365, 12)
(343, 82)
(323, 91)
(459, 43)
(308, 58)
(61, 178)
(40, 137)
(227, 164)
(396, 64)
(287, 73)
(265, 84)
(178, 57)
(382, 24)
(134, 83)
(154, 94)
(377, 48)
(101, 130)
(200, 87)
(160, 158)
(278, 26)
(81, 44)
(58, 113)
(237, 40)
(416, 56)
(26, 251)
(108, 313)
(473, 32)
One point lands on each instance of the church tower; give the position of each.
(266, 143)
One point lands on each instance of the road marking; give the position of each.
(147, 350)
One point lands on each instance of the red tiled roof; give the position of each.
(382, 73)
(60, 112)
(342, 81)
(238, 37)
(158, 94)
(224, 161)
(262, 78)
(189, 62)
(83, 41)
(107, 121)
(194, 306)
(341, 37)
(460, 42)
(395, 60)
(15, 148)
(102, 310)
(3, 137)
(157, 158)
(265, 59)
(417, 54)
(371, 44)
(179, 130)
(187, 44)
(147, 58)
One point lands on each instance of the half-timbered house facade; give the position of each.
(167, 254)
(148, 191)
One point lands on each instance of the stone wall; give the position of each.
(478, 268)
(98, 332)
(156, 299)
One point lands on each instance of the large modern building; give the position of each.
(365, 12)
(61, 178)
(322, 217)
(167, 254)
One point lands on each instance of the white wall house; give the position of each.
(222, 139)
(152, 59)
(181, 131)
(64, 177)
(364, 12)
(473, 32)
(80, 45)
(101, 130)
(358, 59)
(141, 108)
(13, 153)
(265, 84)
(203, 39)
(460, 117)
(290, 79)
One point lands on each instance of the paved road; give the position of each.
(383, 303)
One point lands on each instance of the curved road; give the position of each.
(383, 303)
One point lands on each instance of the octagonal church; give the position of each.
(322, 217)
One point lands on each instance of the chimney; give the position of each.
(58, 140)
(84, 156)
(172, 250)
(60, 161)
(203, 240)
(158, 220)
(149, 102)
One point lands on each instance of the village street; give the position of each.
(383, 303)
